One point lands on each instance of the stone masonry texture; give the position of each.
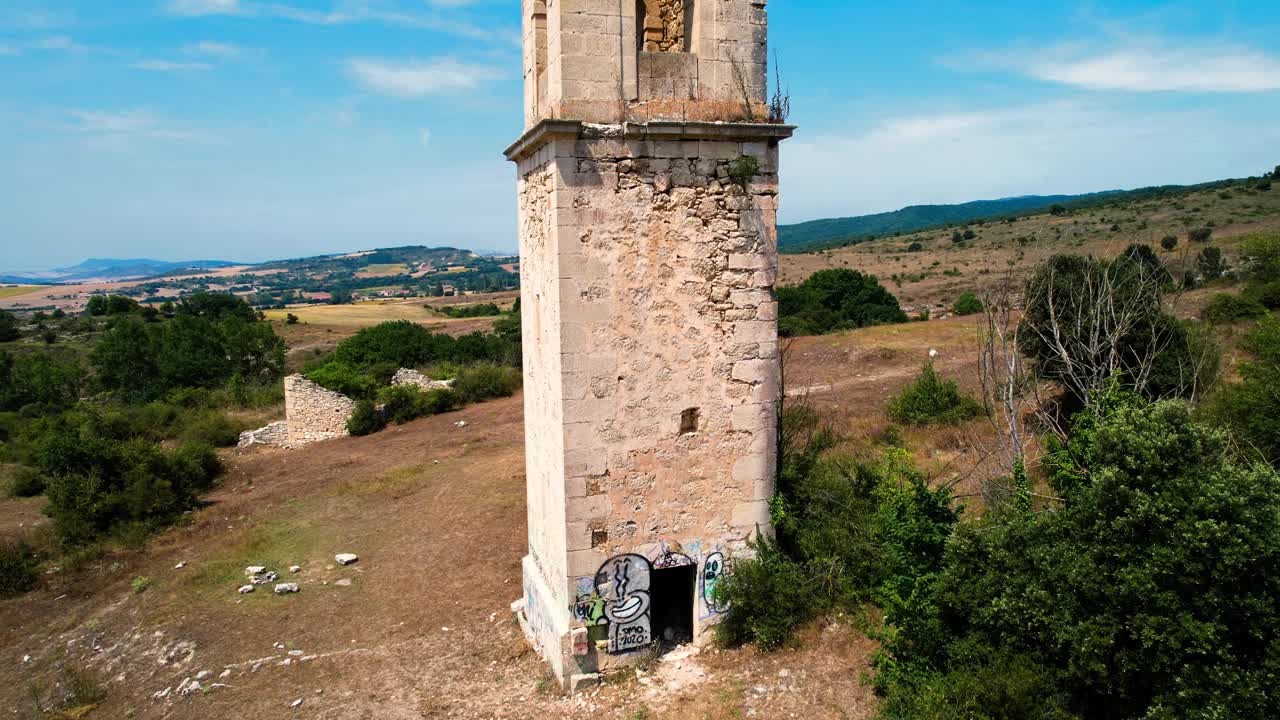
(648, 265)
(314, 413)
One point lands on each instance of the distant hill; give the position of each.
(840, 232)
(107, 269)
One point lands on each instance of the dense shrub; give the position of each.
(19, 568)
(469, 311)
(1153, 593)
(100, 305)
(847, 532)
(26, 482)
(9, 330)
(212, 428)
(1251, 407)
(967, 304)
(1200, 235)
(203, 346)
(38, 379)
(350, 380)
(1169, 242)
(1211, 264)
(366, 419)
(486, 382)
(835, 300)
(930, 400)
(405, 344)
(1228, 307)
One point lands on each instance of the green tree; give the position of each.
(9, 330)
(834, 300)
(1251, 407)
(1211, 264)
(125, 358)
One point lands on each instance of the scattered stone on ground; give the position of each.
(286, 588)
(344, 582)
(345, 558)
(295, 568)
(180, 565)
(246, 589)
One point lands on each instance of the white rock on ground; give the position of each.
(295, 568)
(296, 703)
(345, 558)
(255, 570)
(285, 588)
(246, 589)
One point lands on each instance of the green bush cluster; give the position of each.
(1261, 268)
(848, 532)
(930, 400)
(469, 311)
(9, 327)
(967, 304)
(19, 568)
(1250, 408)
(207, 343)
(400, 404)
(1153, 593)
(39, 379)
(1229, 307)
(834, 300)
(102, 477)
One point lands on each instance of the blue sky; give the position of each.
(262, 129)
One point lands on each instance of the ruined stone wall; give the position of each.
(408, 376)
(314, 413)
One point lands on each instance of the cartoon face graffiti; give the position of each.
(712, 570)
(623, 584)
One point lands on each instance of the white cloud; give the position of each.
(117, 130)
(213, 49)
(414, 79)
(1150, 66)
(58, 43)
(170, 66)
(204, 7)
(426, 137)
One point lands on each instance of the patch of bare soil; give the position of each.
(420, 627)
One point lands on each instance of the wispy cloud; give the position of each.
(170, 66)
(203, 7)
(212, 49)
(1144, 67)
(349, 13)
(61, 43)
(414, 79)
(117, 130)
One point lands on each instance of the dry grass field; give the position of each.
(940, 270)
(9, 291)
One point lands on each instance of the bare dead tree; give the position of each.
(744, 88)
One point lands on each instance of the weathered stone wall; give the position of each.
(407, 376)
(651, 379)
(314, 413)
(593, 61)
(274, 435)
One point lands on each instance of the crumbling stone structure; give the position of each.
(314, 413)
(648, 261)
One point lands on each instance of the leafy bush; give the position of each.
(26, 482)
(213, 428)
(19, 568)
(967, 304)
(743, 170)
(98, 480)
(1251, 407)
(205, 345)
(1228, 307)
(1169, 242)
(38, 379)
(469, 311)
(9, 329)
(486, 382)
(1126, 603)
(835, 300)
(930, 400)
(366, 419)
(768, 597)
(1200, 235)
(405, 344)
(1211, 264)
(100, 305)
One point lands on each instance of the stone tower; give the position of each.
(647, 197)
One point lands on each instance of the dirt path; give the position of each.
(423, 629)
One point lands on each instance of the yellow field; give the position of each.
(379, 270)
(16, 290)
(359, 315)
